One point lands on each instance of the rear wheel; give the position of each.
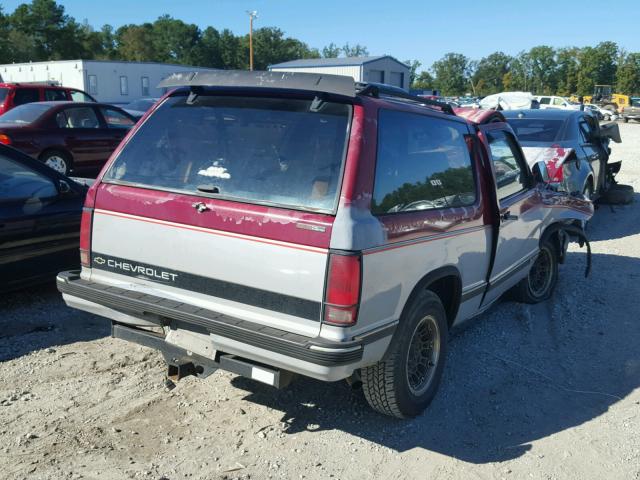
(57, 160)
(404, 384)
(618, 194)
(541, 281)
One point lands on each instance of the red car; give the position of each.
(14, 94)
(67, 136)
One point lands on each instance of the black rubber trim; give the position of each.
(473, 292)
(511, 273)
(256, 297)
(172, 313)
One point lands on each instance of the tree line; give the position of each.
(41, 30)
(542, 70)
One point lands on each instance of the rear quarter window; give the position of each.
(279, 151)
(423, 163)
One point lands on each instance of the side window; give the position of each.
(26, 95)
(545, 100)
(558, 102)
(78, 96)
(144, 86)
(510, 173)
(423, 163)
(124, 85)
(53, 95)
(18, 182)
(587, 132)
(77, 117)
(93, 84)
(116, 119)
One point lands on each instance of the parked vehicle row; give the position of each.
(16, 94)
(324, 229)
(66, 136)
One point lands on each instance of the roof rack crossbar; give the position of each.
(381, 90)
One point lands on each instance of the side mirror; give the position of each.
(540, 172)
(64, 189)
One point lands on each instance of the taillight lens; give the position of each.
(85, 236)
(4, 139)
(343, 290)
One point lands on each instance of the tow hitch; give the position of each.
(182, 363)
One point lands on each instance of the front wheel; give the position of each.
(541, 281)
(406, 381)
(59, 161)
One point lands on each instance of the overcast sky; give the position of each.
(412, 29)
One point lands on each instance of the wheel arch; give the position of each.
(446, 283)
(56, 148)
(554, 233)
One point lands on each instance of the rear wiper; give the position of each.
(208, 188)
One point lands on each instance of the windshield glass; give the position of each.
(263, 150)
(24, 114)
(141, 105)
(635, 102)
(3, 94)
(536, 129)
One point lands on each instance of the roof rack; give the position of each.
(381, 90)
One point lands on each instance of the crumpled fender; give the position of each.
(566, 206)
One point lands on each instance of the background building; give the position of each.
(107, 81)
(381, 69)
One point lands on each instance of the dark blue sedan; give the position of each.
(39, 220)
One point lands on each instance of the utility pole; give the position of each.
(252, 14)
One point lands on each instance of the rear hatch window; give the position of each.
(276, 151)
(25, 114)
(536, 129)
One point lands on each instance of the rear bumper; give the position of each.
(314, 357)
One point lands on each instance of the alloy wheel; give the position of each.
(424, 352)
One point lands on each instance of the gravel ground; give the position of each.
(549, 391)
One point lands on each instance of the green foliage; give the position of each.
(452, 74)
(41, 30)
(541, 70)
(628, 74)
(424, 81)
(356, 51)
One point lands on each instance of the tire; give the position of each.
(625, 119)
(618, 195)
(404, 383)
(542, 279)
(57, 160)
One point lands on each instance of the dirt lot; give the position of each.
(550, 391)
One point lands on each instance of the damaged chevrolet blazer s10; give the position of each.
(274, 224)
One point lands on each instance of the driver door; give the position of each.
(516, 244)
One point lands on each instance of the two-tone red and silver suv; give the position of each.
(273, 224)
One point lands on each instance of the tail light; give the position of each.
(86, 225)
(556, 172)
(342, 295)
(4, 139)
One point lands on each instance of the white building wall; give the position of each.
(75, 74)
(365, 73)
(388, 66)
(349, 71)
(66, 72)
(108, 78)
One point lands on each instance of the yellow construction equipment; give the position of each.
(604, 97)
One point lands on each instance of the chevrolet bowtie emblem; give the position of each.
(99, 260)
